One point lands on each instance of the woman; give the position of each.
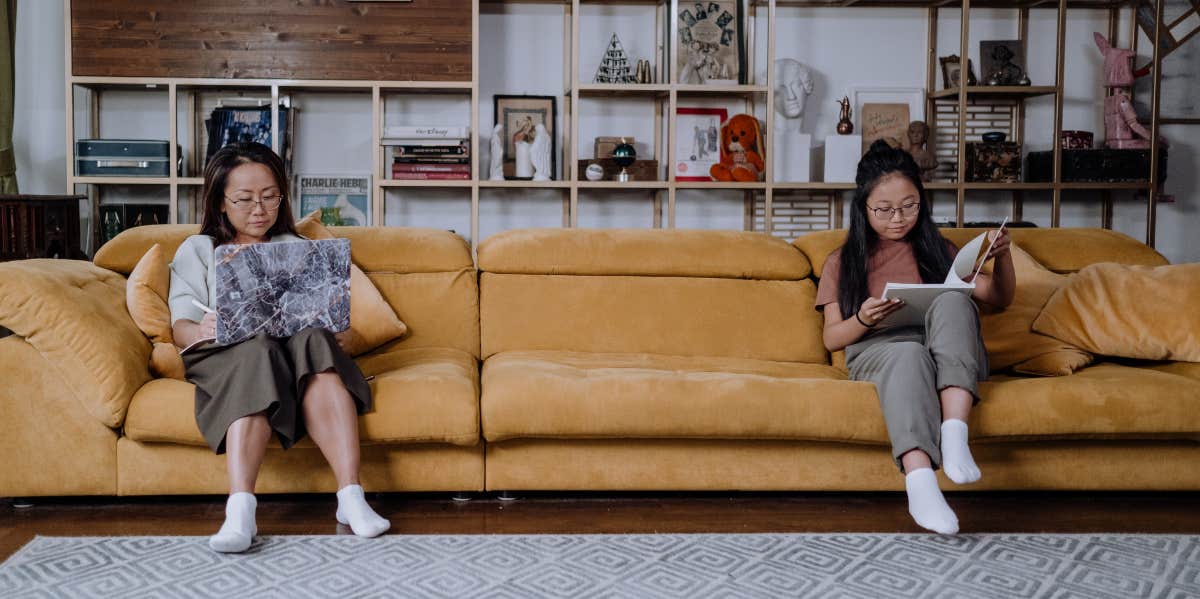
(246, 391)
(925, 375)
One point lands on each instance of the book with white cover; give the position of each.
(918, 297)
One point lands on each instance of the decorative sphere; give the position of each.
(624, 155)
(594, 172)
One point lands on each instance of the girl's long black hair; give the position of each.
(933, 258)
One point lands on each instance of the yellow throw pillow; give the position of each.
(372, 320)
(1008, 335)
(1140, 312)
(146, 294)
(165, 362)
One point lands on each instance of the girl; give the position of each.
(925, 375)
(248, 390)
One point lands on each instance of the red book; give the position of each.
(431, 176)
(431, 168)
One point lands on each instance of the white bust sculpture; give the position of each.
(794, 82)
(496, 170)
(540, 153)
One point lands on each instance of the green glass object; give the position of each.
(624, 155)
(331, 216)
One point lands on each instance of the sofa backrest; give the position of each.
(1061, 250)
(672, 292)
(426, 275)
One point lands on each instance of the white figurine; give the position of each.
(496, 171)
(540, 153)
(795, 83)
(522, 140)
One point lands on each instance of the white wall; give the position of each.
(522, 51)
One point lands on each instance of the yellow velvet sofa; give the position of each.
(611, 360)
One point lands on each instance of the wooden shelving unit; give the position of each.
(666, 96)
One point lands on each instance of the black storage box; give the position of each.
(1101, 165)
(122, 158)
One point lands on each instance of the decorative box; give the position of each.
(1077, 140)
(997, 162)
(1101, 165)
(640, 170)
(122, 157)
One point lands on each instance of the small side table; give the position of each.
(40, 226)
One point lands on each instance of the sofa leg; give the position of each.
(461, 497)
(506, 496)
(21, 503)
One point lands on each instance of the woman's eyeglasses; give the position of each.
(904, 211)
(268, 203)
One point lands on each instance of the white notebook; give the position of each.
(919, 296)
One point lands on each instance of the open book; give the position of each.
(918, 297)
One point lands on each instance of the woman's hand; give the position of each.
(875, 309)
(208, 326)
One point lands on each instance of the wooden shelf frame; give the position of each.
(667, 97)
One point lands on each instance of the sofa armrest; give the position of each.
(74, 314)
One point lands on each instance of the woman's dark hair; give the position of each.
(216, 175)
(933, 258)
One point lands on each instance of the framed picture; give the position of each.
(951, 69)
(711, 43)
(344, 200)
(697, 142)
(519, 115)
(1003, 62)
(886, 112)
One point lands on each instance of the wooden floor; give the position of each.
(1073, 512)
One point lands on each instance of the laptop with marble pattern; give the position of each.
(281, 288)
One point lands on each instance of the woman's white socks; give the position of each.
(239, 528)
(926, 504)
(956, 456)
(353, 510)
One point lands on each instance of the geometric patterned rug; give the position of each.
(1004, 566)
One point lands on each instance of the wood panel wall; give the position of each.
(422, 40)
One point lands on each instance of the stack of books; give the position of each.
(433, 153)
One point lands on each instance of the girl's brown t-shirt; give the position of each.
(892, 262)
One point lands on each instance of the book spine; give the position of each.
(424, 141)
(430, 168)
(431, 160)
(431, 176)
(408, 150)
(420, 131)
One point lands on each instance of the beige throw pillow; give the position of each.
(146, 294)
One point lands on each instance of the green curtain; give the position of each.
(8, 41)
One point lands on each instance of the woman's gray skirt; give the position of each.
(266, 374)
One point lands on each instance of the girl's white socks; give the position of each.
(926, 503)
(956, 456)
(353, 510)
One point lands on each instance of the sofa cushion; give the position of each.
(1008, 334)
(557, 394)
(1104, 400)
(372, 320)
(1128, 311)
(546, 394)
(642, 252)
(146, 297)
(421, 396)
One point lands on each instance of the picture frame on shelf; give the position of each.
(710, 43)
(344, 199)
(951, 69)
(1002, 62)
(879, 109)
(697, 141)
(517, 114)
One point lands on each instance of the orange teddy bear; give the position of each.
(741, 150)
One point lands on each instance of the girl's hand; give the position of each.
(1001, 245)
(208, 326)
(875, 309)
